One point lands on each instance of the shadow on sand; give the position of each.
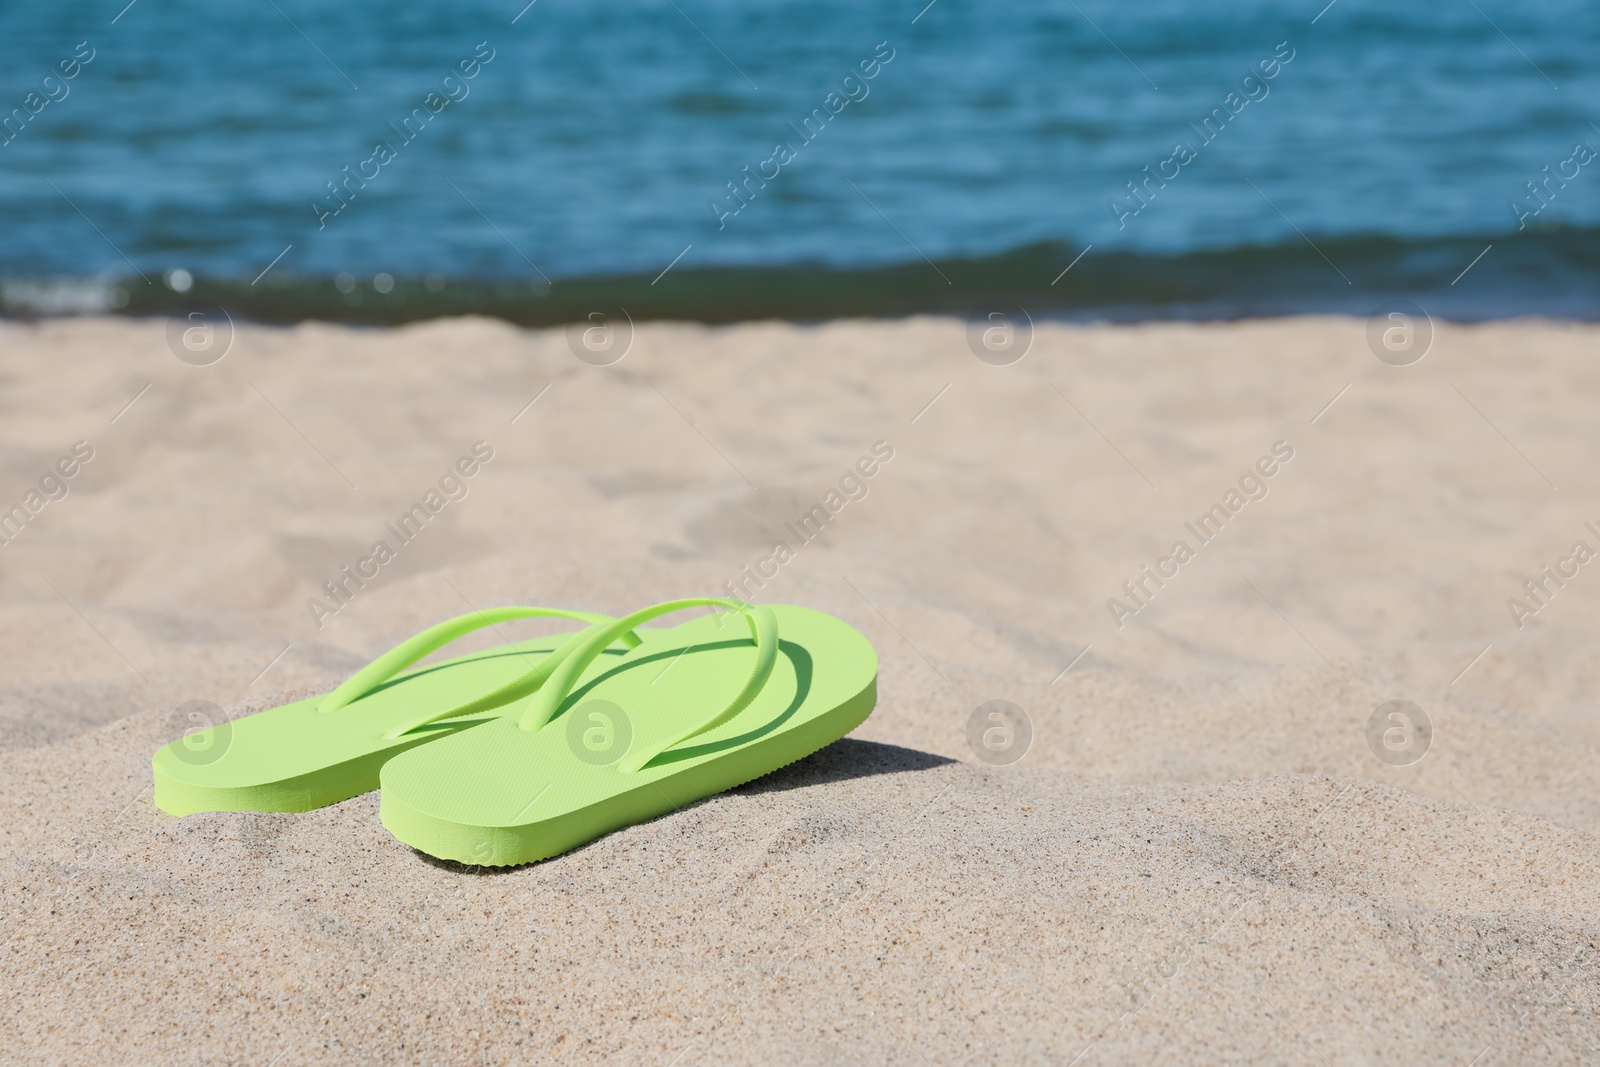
(841, 761)
(844, 759)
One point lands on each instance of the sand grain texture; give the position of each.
(1199, 860)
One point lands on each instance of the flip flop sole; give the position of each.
(297, 758)
(499, 795)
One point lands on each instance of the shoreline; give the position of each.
(1468, 278)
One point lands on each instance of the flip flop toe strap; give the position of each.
(409, 651)
(763, 630)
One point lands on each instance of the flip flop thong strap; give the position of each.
(409, 651)
(763, 630)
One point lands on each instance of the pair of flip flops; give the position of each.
(525, 751)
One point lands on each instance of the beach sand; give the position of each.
(1200, 859)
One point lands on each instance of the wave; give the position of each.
(1552, 273)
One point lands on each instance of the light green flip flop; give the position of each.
(694, 710)
(325, 749)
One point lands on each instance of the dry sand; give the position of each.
(1199, 860)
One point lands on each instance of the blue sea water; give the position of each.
(992, 143)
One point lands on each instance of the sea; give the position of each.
(717, 161)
